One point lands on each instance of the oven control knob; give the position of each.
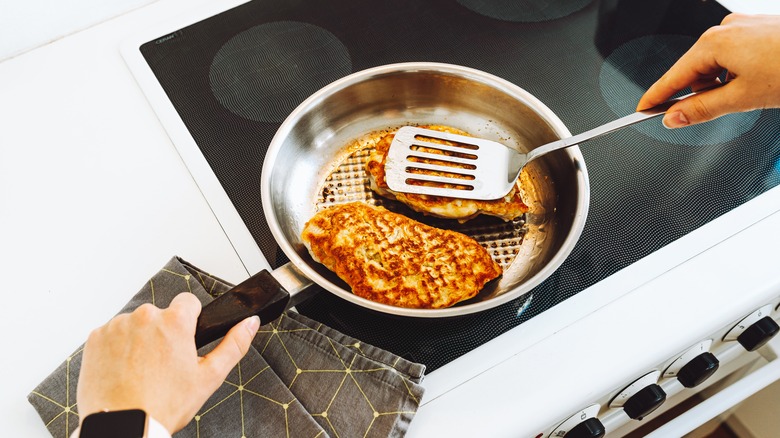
(759, 326)
(695, 362)
(641, 397)
(582, 424)
(645, 401)
(699, 369)
(590, 428)
(758, 334)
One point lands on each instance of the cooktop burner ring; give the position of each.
(264, 72)
(635, 65)
(524, 11)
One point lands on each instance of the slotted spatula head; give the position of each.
(428, 162)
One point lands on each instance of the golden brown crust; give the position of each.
(391, 259)
(509, 207)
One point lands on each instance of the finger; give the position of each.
(703, 107)
(233, 347)
(732, 17)
(183, 313)
(187, 303)
(696, 64)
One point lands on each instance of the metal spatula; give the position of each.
(475, 168)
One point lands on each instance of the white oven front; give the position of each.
(622, 349)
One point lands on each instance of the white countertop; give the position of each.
(93, 193)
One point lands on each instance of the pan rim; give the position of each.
(578, 222)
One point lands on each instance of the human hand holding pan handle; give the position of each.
(259, 295)
(264, 294)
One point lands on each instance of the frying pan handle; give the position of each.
(259, 295)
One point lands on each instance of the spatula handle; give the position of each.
(612, 126)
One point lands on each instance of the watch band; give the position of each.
(154, 429)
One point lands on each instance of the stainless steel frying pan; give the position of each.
(317, 158)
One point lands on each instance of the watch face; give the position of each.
(115, 424)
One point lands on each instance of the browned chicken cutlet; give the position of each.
(388, 258)
(509, 207)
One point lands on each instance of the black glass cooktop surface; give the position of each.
(234, 77)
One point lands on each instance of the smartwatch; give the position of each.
(131, 423)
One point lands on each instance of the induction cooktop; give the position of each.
(233, 77)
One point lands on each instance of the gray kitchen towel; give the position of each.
(301, 379)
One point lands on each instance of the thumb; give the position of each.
(703, 107)
(232, 348)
